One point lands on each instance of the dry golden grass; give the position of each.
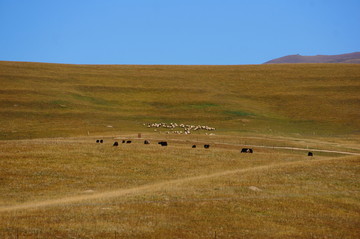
(149, 191)
(83, 162)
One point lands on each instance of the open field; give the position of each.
(75, 188)
(56, 182)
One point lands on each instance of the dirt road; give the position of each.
(152, 187)
(239, 146)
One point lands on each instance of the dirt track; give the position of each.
(238, 146)
(214, 143)
(150, 187)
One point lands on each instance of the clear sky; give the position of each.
(186, 32)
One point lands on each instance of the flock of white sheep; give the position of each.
(186, 129)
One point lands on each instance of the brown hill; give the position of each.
(343, 58)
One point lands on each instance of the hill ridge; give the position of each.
(341, 58)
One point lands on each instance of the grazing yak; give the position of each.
(310, 154)
(194, 146)
(116, 143)
(246, 150)
(101, 141)
(128, 142)
(206, 146)
(97, 141)
(146, 142)
(123, 141)
(163, 143)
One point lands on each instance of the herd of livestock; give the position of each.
(184, 128)
(165, 143)
(162, 143)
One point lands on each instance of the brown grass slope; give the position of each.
(52, 100)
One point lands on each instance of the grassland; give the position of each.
(56, 182)
(75, 188)
(41, 100)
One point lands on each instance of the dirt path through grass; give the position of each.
(154, 187)
(191, 142)
(239, 146)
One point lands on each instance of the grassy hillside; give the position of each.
(51, 100)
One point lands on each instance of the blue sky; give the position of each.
(186, 32)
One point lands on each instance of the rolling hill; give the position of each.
(343, 58)
(56, 100)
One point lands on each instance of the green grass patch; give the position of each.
(92, 100)
(239, 113)
(202, 105)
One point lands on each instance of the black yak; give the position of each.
(163, 143)
(246, 150)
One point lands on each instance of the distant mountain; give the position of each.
(343, 58)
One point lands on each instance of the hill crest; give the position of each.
(342, 58)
